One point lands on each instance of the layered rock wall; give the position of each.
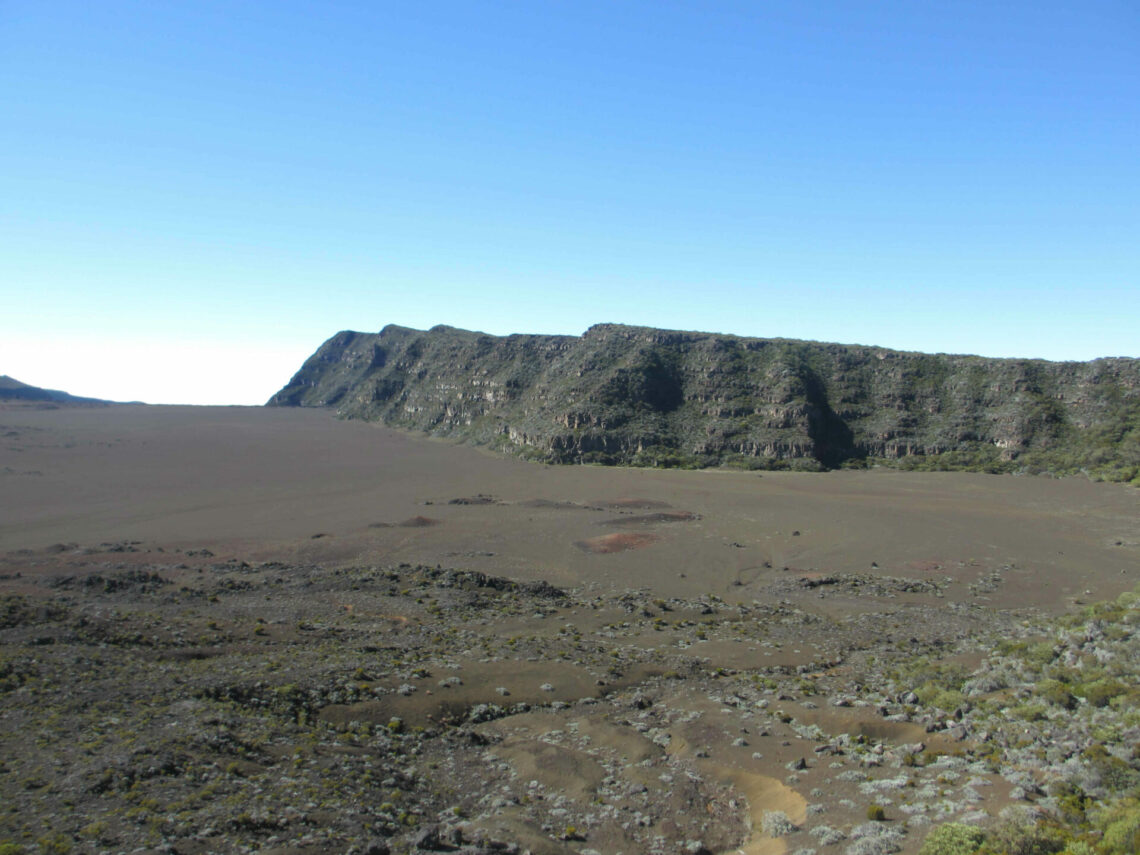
(622, 394)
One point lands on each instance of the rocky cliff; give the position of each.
(621, 394)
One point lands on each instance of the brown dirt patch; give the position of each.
(623, 542)
(928, 566)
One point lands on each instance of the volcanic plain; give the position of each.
(269, 630)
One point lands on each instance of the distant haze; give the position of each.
(155, 372)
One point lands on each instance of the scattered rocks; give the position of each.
(277, 707)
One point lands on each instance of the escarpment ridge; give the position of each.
(12, 390)
(635, 395)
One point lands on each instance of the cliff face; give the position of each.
(636, 395)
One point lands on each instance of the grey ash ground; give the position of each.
(724, 687)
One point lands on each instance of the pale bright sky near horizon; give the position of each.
(195, 195)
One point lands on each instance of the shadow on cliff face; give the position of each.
(833, 439)
(654, 381)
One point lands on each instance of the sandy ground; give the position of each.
(266, 482)
(294, 585)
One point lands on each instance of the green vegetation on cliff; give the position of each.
(640, 396)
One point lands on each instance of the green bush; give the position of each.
(1100, 692)
(938, 684)
(1040, 654)
(1029, 712)
(1116, 775)
(1025, 838)
(876, 813)
(953, 838)
(1121, 828)
(1072, 803)
(943, 699)
(1056, 692)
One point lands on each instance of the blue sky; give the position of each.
(195, 195)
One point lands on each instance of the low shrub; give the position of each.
(1056, 692)
(953, 838)
(1121, 828)
(776, 823)
(1101, 692)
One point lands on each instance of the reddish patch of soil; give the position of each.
(609, 543)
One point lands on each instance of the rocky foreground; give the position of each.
(185, 702)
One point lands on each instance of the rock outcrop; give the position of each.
(621, 394)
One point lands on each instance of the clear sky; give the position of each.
(194, 195)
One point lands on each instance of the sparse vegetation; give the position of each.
(390, 727)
